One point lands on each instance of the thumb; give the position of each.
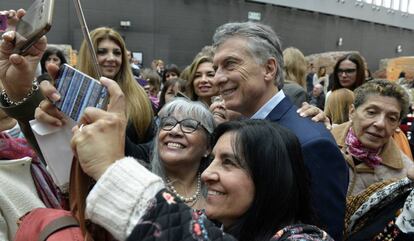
(116, 96)
(52, 70)
(21, 64)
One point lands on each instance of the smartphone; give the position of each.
(33, 25)
(78, 91)
(3, 23)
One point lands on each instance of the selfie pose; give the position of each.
(237, 181)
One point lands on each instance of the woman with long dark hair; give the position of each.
(256, 191)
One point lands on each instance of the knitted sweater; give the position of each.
(130, 201)
(17, 195)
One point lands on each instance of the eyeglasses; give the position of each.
(187, 125)
(346, 71)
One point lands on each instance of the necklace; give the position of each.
(182, 198)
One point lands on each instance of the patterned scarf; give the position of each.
(16, 148)
(367, 155)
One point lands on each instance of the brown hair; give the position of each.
(360, 71)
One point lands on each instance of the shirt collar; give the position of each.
(265, 110)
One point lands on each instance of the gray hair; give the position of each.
(382, 87)
(262, 42)
(186, 109)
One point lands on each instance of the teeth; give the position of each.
(219, 114)
(175, 145)
(210, 192)
(204, 88)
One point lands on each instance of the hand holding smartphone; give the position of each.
(78, 91)
(33, 25)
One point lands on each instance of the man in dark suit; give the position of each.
(248, 61)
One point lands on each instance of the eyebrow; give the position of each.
(231, 58)
(380, 108)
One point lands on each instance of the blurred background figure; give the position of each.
(200, 83)
(317, 97)
(309, 78)
(220, 113)
(294, 73)
(52, 55)
(170, 90)
(338, 106)
(152, 86)
(322, 78)
(171, 71)
(158, 65)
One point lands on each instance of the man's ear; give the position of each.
(351, 112)
(270, 69)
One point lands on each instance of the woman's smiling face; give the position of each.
(109, 56)
(230, 187)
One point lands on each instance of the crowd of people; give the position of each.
(242, 144)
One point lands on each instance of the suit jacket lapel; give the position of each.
(280, 110)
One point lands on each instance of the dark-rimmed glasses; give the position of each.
(186, 125)
(346, 71)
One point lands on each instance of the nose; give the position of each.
(210, 174)
(204, 78)
(110, 55)
(220, 77)
(221, 105)
(176, 130)
(380, 121)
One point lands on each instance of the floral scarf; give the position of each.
(368, 156)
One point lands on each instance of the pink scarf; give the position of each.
(367, 155)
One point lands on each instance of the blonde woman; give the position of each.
(295, 66)
(295, 75)
(113, 62)
(200, 79)
(338, 105)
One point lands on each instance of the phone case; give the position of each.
(36, 23)
(78, 91)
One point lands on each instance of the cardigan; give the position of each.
(18, 194)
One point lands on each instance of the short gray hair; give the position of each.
(382, 87)
(263, 43)
(186, 109)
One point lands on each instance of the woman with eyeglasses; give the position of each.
(181, 149)
(349, 72)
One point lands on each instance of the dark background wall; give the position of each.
(175, 30)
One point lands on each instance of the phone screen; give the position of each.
(78, 91)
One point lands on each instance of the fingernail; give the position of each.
(301, 114)
(7, 35)
(298, 111)
(55, 97)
